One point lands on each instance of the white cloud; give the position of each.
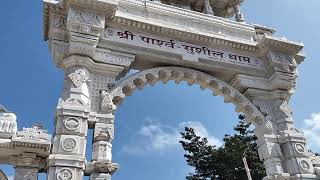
(201, 131)
(157, 137)
(312, 131)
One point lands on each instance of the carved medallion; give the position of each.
(71, 124)
(69, 144)
(305, 165)
(300, 148)
(64, 174)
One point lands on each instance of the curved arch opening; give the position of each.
(178, 74)
(147, 137)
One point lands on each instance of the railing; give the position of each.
(219, 8)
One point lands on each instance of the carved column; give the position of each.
(74, 35)
(102, 165)
(71, 125)
(26, 166)
(283, 152)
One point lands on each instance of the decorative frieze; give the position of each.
(86, 17)
(177, 18)
(111, 57)
(35, 135)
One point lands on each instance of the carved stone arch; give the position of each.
(178, 74)
(3, 176)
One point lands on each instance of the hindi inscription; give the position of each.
(186, 50)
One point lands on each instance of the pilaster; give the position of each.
(288, 141)
(71, 125)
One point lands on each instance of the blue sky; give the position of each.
(147, 123)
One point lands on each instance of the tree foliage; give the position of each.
(225, 162)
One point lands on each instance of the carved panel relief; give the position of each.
(69, 144)
(79, 77)
(72, 123)
(65, 174)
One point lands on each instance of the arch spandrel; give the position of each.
(140, 79)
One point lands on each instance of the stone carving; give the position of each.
(195, 26)
(177, 74)
(26, 173)
(86, 17)
(285, 58)
(85, 29)
(104, 135)
(64, 174)
(88, 49)
(79, 77)
(34, 134)
(282, 61)
(207, 7)
(112, 58)
(8, 124)
(59, 21)
(106, 103)
(59, 51)
(305, 165)
(315, 160)
(99, 82)
(239, 16)
(73, 102)
(300, 148)
(71, 123)
(69, 144)
(105, 167)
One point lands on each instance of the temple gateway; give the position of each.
(205, 42)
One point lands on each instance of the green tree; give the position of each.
(225, 162)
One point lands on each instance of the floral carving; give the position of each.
(71, 123)
(64, 174)
(69, 144)
(79, 77)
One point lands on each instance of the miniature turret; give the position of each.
(8, 123)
